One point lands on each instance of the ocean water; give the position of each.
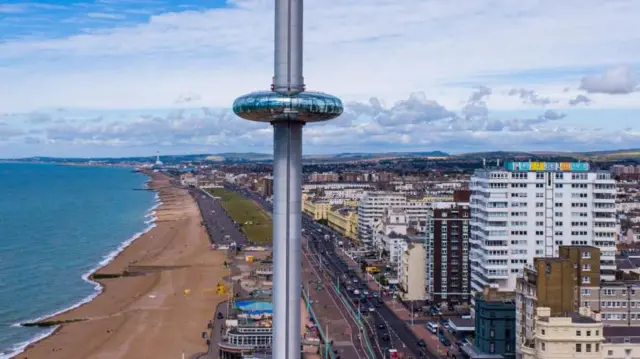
(57, 225)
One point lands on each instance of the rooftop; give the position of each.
(575, 318)
(621, 334)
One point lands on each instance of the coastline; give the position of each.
(98, 287)
(114, 298)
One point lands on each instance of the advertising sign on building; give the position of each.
(547, 166)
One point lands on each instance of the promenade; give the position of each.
(333, 317)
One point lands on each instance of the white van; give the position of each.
(432, 327)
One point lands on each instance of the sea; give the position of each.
(58, 224)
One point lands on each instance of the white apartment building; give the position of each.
(390, 236)
(373, 205)
(530, 209)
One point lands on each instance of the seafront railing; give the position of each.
(328, 350)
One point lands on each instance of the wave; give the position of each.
(97, 287)
(20, 347)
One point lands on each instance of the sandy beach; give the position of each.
(147, 315)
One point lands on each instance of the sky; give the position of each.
(131, 77)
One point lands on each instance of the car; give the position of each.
(220, 316)
(365, 292)
(372, 309)
(381, 326)
(444, 341)
(422, 343)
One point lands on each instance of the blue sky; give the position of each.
(129, 77)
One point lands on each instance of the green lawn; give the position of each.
(253, 221)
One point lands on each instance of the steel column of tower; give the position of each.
(287, 107)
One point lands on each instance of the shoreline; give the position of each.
(98, 287)
(149, 306)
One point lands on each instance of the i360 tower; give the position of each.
(287, 107)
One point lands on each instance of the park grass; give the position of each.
(253, 221)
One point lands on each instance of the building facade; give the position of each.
(372, 208)
(580, 334)
(412, 274)
(553, 283)
(573, 335)
(447, 247)
(495, 323)
(344, 221)
(530, 209)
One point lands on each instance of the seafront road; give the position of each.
(217, 223)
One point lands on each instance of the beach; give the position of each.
(162, 306)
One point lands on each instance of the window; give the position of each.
(539, 204)
(586, 254)
(578, 348)
(558, 185)
(586, 267)
(586, 291)
(542, 331)
(558, 204)
(588, 333)
(578, 333)
(586, 280)
(543, 346)
(597, 347)
(588, 347)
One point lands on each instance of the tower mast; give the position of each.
(287, 107)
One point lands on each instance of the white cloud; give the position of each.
(404, 46)
(105, 15)
(618, 80)
(416, 123)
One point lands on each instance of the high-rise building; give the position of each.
(447, 247)
(530, 209)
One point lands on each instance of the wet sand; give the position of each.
(147, 315)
